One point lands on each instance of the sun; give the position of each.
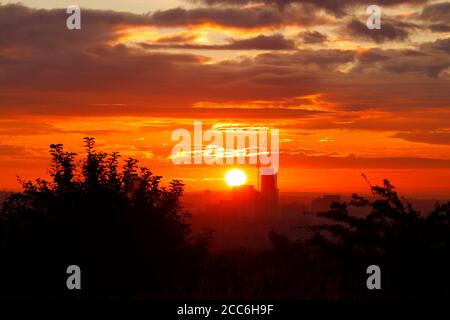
(235, 178)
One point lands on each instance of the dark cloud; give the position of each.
(440, 27)
(440, 45)
(178, 38)
(91, 76)
(429, 61)
(246, 18)
(24, 127)
(312, 37)
(230, 17)
(99, 81)
(391, 120)
(431, 66)
(275, 42)
(356, 162)
(261, 42)
(23, 27)
(391, 30)
(442, 138)
(437, 12)
(337, 7)
(372, 56)
(437, 16)
(324, 58)
(11, 150)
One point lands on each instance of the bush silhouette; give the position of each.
(412, 249)
(128, 233)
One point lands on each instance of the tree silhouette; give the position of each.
(412, 248)
(127, 232)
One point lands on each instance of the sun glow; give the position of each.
(235, 178)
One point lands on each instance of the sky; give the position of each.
(347, 100)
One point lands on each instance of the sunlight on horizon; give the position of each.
(235, 178)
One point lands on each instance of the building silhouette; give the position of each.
(269, 195)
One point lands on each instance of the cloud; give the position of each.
(88, 73)
(11, 150)
(437, 12)
(178, 38)
(436, 137)
(337, 7)
(440, 45)
(440, 27)
(313, 37)
(22, 27)
(431, 60)
(242, 17)
(391, 30)
(24, 127)
(356, 162)
(437, 15)
(40, 30)
(321, 58)
(261, 42)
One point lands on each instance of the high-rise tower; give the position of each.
(269, 192)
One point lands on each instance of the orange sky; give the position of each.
(346, 100)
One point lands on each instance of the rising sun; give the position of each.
(235, 178)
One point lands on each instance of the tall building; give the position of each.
(269, 193)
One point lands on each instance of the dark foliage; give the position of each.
(128, 233)
(412, 249)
